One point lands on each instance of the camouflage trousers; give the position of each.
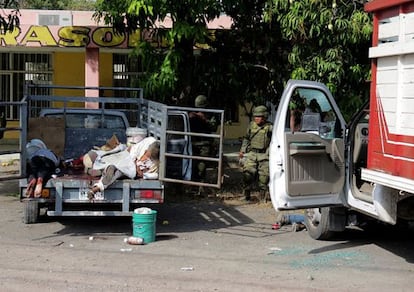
(256, 168)
(200, 166)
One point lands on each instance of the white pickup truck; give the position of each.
(347, 174)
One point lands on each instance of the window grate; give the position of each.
(16, 69)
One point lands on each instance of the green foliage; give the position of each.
(329, 43)
(45, 4)
(171, 72)
(271, 41)
(81, 5)
(59, 4)
(249, 58)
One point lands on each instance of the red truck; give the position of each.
(346, 174)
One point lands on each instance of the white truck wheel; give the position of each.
(321, 223)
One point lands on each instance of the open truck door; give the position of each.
(307, 154)
(171, 125)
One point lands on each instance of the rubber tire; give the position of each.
(318, 225)
(31, 212)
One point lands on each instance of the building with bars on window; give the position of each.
(69, 48)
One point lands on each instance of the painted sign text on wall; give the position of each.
(76, 37)
(79, 37)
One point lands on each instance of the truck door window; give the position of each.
(114, 122)
(176, 123)
(310, 111)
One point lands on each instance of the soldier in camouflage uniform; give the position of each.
(3, 120)
(201, 123)
(255, 148)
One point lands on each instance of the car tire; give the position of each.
(31, 212)
(323, 223)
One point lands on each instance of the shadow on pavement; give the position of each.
(180, 213)
(398, 240)
(180, 217)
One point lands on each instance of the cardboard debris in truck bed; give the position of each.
(50, 130)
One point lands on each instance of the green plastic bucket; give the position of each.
(143, 225)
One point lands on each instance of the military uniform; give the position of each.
(202, 146)
(3, 121)
(255, 148)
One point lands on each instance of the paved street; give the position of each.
(201, 245)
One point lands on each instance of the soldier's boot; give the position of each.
(247, 195)
(262, 196)
(201, 191)
(267, 197)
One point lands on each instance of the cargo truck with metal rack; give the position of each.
(344, 174)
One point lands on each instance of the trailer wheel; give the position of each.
(320, 221)
(31, 211)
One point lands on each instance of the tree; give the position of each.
(170, 69)
(270, 42)
(235, 68)
(9, 19)
(59, 4)
(329, 43)
(45, 4)
(251, 54)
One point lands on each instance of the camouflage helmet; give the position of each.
(201, 101)
(260, 111)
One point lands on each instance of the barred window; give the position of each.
(16, 69)
(126, 70)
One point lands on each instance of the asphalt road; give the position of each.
(201, 245)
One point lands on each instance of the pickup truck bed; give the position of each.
(80, 129)
(67, 196)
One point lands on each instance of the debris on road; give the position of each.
(134, 240)
(187, 269)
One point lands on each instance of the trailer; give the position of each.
(347, 174)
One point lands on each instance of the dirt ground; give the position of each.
(212, 243)
(215, 242)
